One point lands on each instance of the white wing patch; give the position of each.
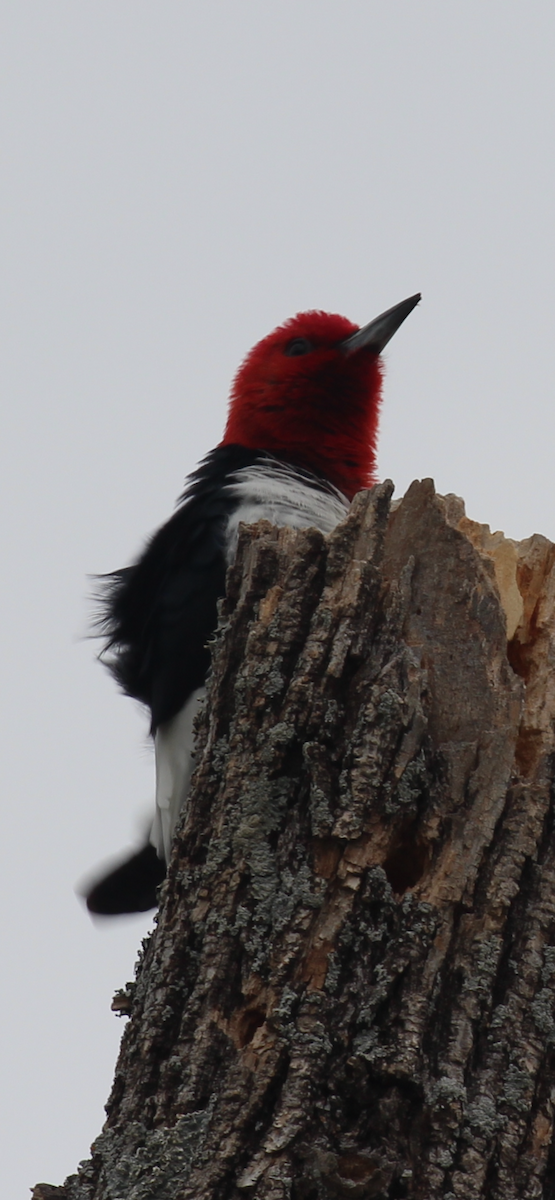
(279, 494)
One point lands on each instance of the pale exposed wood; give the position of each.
(350, 991)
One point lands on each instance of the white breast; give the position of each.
(274, 492)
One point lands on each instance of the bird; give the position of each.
(299, 443)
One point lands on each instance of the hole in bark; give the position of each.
(406, 862)
(519, 653)
(247, 1025)
(520, 649)
(354, 1168)
(516, 654)
(399, 1190)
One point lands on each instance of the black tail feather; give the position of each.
(130, 887)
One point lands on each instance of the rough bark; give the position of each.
(350, 989)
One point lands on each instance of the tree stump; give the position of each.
(350, 989)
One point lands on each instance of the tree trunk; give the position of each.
(350, 990)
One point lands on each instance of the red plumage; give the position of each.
(316, 407)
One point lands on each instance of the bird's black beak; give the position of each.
(378, 332)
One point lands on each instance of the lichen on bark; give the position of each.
(350, 987)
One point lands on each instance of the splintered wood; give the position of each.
(350, 990)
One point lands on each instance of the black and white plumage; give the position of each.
(160, 613)
(299, 442)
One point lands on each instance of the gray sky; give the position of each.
(178, 178)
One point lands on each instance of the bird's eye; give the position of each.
(298, 345)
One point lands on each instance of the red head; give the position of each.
(310, 393)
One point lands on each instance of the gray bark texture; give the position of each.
(350, 988)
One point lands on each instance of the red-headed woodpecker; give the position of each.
(300, 441)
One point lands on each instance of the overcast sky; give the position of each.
(178, 178)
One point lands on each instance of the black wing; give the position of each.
(159, 613)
